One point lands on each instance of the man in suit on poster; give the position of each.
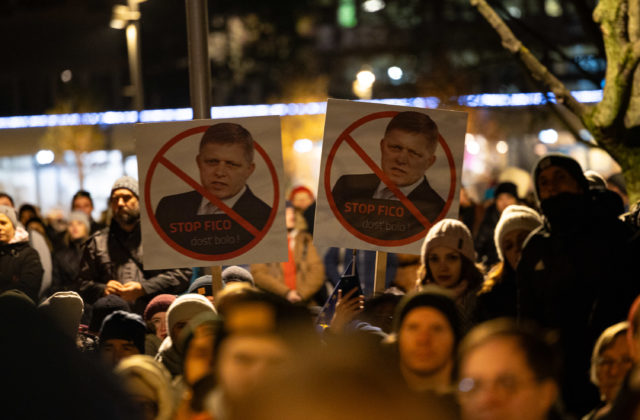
(225, 162)
(407, 151)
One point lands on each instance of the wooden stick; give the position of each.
(380, 279)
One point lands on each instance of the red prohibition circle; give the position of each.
(334, 208)
(208, 257)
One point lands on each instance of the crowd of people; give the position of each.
(520, 309)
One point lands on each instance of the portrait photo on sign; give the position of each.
(212, 191)
(387, 174)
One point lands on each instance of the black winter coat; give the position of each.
(114, 254)
(20, 268)
(577, 275)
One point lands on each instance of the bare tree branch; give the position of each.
(537, 69)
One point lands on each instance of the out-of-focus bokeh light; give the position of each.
(502, 147)
(373, 6)
(395, 73)
(548, 136)
(45, 157)
(472, 145)
(365, 78)
(66, 76)
(303, 145)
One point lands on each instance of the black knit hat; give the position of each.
(103, 307)
(506, 188)
(434, 297)
(125, 326)
(566, 162)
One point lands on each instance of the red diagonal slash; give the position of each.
(212, 198)
(390, 184)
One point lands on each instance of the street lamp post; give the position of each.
(129, 17)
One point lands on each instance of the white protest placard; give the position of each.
(211, 192)
(388, 173)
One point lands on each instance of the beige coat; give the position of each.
(309, 270)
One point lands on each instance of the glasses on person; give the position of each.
(503, 386)
(609, 363)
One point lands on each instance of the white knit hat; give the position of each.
(451, 233)
(186, 307)
(515, 217)
(144, 376)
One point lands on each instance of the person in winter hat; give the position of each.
(498, 296)
(20, 266)
(573, 272)
(183, 309)
(155, 315)
(148, 383)
(65, 309)
(112, 259)
(121, 335)
(427, 329)
(448, 260)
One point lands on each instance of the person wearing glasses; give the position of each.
(507, 371)
(610, 362)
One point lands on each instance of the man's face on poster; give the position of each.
(224, 169)
(405, 156)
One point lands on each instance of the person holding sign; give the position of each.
(225, 214)
(378, 204)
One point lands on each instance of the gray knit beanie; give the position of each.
(80, 217)
(126, 182)
(10, 213)
(236, 273)
(451, 233)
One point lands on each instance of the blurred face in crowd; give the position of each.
(555, 180)
(498, 384)
(302, 199)
(83, 204)
(504, 200)
(25, 215)
(512, 246)
(125, 207)
(405, 156)
(6, 229)
(116, 349)
(77, 230)
(246, 359)
(159, 322)
(612, 365)
(4, 201)
(445, 266)
(199, 360)
(290, 217)
(177, 329)
(425, 342)
(224, 169)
